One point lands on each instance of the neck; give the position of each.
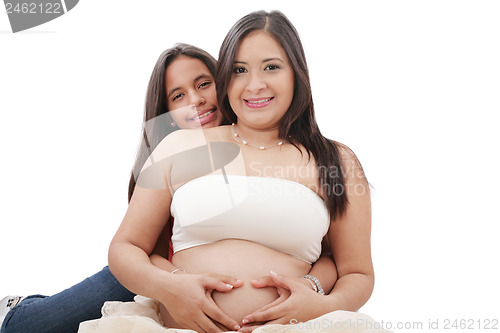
(257, 138)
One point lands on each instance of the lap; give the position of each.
(143, 315)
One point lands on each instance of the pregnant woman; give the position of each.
(190, 71)
(269, 188)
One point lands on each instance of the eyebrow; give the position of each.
(201, 76)
(265, 60)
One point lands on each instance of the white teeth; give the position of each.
(260, 101)
(203, 115)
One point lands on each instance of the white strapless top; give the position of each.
(278, 213)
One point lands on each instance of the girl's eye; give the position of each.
(177, 97)
(239, 70)
(204, 84)
(272, 67)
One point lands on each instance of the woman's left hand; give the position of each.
(297, 303)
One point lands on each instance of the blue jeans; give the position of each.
(63, 312)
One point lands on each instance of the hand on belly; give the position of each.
(242, 260)
(244, 300)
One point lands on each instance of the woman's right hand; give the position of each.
(189, 302)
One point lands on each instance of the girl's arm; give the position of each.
(325, 271)
(135, 239)
(324, 268)
(184, 295)
(163, 243)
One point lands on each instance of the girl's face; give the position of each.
(261, 88)
(191, 94)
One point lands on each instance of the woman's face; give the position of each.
(191, 94)
(262, 84)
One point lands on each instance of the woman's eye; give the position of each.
(239, 70)
(271, 67)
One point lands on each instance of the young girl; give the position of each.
(64, 311)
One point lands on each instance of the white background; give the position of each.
(411, 86)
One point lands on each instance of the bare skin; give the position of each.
(241, 259)
(245, 260)
(151, 207)
(262, 81)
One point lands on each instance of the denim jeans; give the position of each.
(63, 312)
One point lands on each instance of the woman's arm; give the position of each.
(350, 241)
(349, 237)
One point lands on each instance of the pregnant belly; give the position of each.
(243, 260)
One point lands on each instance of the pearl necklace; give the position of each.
(237, 137)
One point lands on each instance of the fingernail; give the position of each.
(236, 327)
(229, 286)
(245, 321)
(274, 273)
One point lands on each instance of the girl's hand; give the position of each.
(297, 303)
(191, 305)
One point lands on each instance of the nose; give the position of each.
(197, 99)
(256, 83)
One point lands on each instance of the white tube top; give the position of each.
(278, 213)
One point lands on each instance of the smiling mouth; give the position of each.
(203, 115)
(259, 101)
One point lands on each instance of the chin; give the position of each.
(210, 124)
(214, 123)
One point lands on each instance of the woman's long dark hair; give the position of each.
(298, 125)
(157, 120)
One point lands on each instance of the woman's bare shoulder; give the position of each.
(190, 138)
(185, 140)
(345, 153)
(351, 166)
(182, 140)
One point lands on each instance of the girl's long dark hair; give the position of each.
(157, 120)
(298, 125)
